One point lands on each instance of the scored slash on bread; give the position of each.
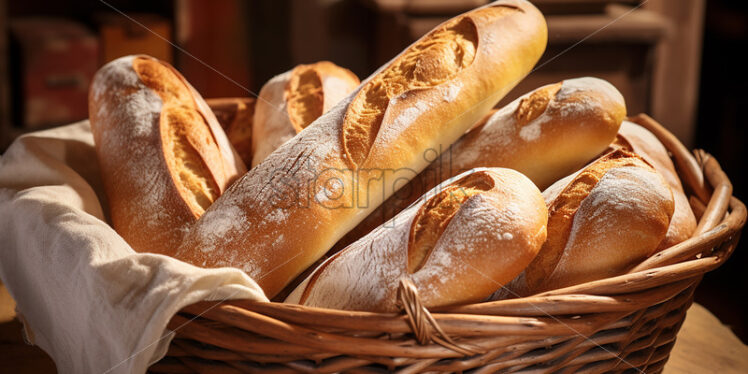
(164, 157)
(602, 221)
(281, 217)
(436, 213)
(445, 52)
(457, 244)
(291, 101)
(545, 134)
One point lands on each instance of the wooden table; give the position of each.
(704, 345)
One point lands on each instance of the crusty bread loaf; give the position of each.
(639, 140)
(545, 134)
(458, 244)
(235, 114)
(163, 156)
(602, 221)
(288, 211)
(291, 101)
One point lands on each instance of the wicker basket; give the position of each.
(622, 324)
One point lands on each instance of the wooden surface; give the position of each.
(704, 345)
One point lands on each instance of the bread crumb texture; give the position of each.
(435, 215)
(304, 96)
(185, 135)
(433, 60)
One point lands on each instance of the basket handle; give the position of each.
(422, 323)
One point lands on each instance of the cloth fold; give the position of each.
(90, 301)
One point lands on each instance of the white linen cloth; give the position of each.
(90, 301)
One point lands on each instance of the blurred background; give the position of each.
(678, 60)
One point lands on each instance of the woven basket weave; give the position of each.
(626, 323)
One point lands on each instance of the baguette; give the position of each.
(457, 245)
(602, 221)
(291, 101)
(282, 216)
(163, 156)
(639, 140)
(235, 115)
(545, 134)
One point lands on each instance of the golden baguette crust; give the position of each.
(289, 210)
(602, 220)
(639, 140)
(291, 101)
(235, 114)
(545, 134)
(458, 244)
(164, 158)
